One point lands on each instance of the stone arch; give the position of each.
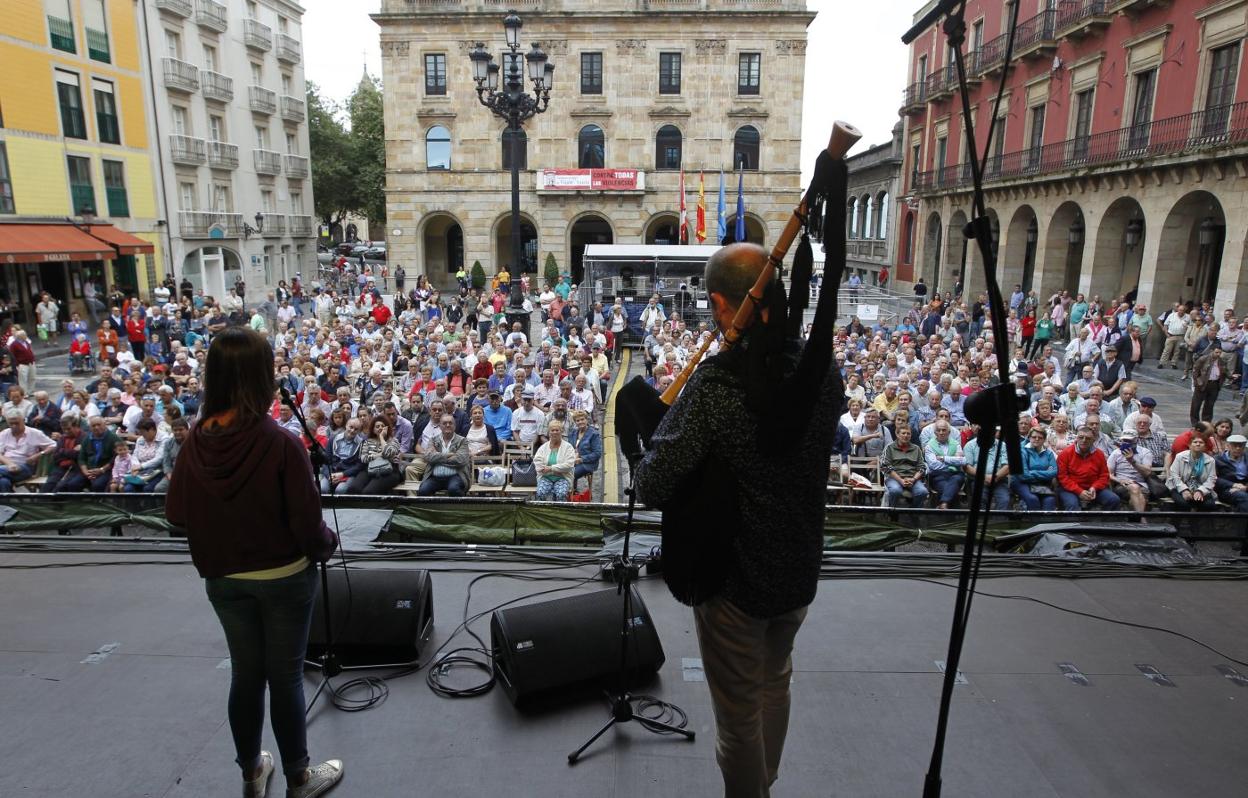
(212, 268)
(1189, 258)
(881, 217)
(953, 265)
(974, 280)
(867, 222)
(442, 247)
(933, 241)
(755, 229)
(1018, 265)
(1064, 238)
(500, 235)
(589, 227)
(1120, 240)
(852, 218)
(662, 228)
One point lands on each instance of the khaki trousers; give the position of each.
(748, 663)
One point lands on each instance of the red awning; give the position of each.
(125, 243)
(46, 243)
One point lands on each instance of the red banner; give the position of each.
(591, 180)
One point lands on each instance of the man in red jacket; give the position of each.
(24, 356)
(1083, 475)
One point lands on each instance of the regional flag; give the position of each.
(684, 218)
(701, 228)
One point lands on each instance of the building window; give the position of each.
(216, 128)
(915, 164)
(438, 148)
(521, 140)
(106, 112)
(60, 25)
(96, 24)
(591, 148)
(591, 73)
(667, 146)
(82, 193)
(749, 72)
(115, 188)
(1223, 66)
(942, 152)
(745, 148)
(222, 197)
(6, 183)
(1142, 108)
(1036, 141)
(998, 146)
(669, 73)
(296, 203)
(73, 123)
(435, 73)
(186, 197)
(909, 236)
(881, 217)
(1083, 123)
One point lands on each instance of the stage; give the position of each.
(113, 683)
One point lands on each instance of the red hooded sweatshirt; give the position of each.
(245, 496)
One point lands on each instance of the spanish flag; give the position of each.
(700, 231)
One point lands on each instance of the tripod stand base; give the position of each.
(622, 712)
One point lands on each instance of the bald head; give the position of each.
(732, 271)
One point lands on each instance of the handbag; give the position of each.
(379, 467)
(523, 474)
(584, 496)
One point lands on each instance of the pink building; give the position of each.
(1119, 159)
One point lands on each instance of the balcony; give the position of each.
(210, 224)
(186, 150)
(288, 49)
(181, 8)
(1218, 127)
(272, 225)
(942, 83)
(222, 155)
(293, 109)
(992, 56)
(301, 226)
(212, 15)
(296, 166)
(180, 76)
(216, 86)
(257, 36)
(267, 162)
(1079, 18)
(914, 98)
(1037, 37)
(261, 100)
(1131, 7)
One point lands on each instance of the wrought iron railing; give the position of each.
(1220, 126)
(915, 94)
(1071, 12)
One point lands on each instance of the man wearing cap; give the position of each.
(1130, 467)
(498, 415)
(526, 420)
(1147, 406)
(1232, 466)
(20, 449)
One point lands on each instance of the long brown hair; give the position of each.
(238, 374)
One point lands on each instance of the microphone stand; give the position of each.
(328, 661)
(994, 408)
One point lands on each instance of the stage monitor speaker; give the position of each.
(555, 649)
(384, 617)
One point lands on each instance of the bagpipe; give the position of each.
(696, 528)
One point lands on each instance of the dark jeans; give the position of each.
(75, 482)
(368, 484)
(1210, 502)
(946, 485)
(137, 348)
(453, 485)
(266, 626)
(54, 478)
(1030, 500)
(1237, 499)
(10, 478)
(1203, 400)
(1105, 499)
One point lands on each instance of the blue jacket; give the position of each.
(589, 448)
(1038, 467)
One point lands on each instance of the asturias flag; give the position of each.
(722, 220)
(740, 231)
(684, 218)
(700, 231)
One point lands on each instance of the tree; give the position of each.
(478, 275)
(366, 112)
(333, 184)
(348, 161)
(551, 270)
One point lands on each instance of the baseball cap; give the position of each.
(1127, 435)
(527, 393)
(1148, 401)
(494, 392)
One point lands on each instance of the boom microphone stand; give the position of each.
(622, 710)
(328, 661)
(994, 408)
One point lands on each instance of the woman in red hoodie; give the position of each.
(242, 489)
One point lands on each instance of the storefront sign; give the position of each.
(591, 180)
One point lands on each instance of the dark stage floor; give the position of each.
(148, 719)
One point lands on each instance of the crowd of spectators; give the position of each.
(409, 390)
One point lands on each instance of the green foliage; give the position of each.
(333, 185)
(368, 150)
(478, 275)
(348, 163)
(551, 270)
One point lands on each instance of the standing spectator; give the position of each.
(24, 356)
(1207, 374)
(945, 463)
(1175, 326)
(1083, 475)
(49, 313)
(920, 291)
(1034, 487)
(1193, 478)
(1232, 469)
(136, 334)
(903, 468)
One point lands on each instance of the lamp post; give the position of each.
(514, 105)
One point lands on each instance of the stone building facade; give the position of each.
(870, 232)
(641, 87)
(1120, 158)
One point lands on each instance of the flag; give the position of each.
(722, 223)
(700, 231)
(739, 234)
(684, 218)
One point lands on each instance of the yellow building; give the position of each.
(78, 198)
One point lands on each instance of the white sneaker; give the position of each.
(321, 779)
(257, 787)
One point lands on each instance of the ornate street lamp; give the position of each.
(514, 105)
